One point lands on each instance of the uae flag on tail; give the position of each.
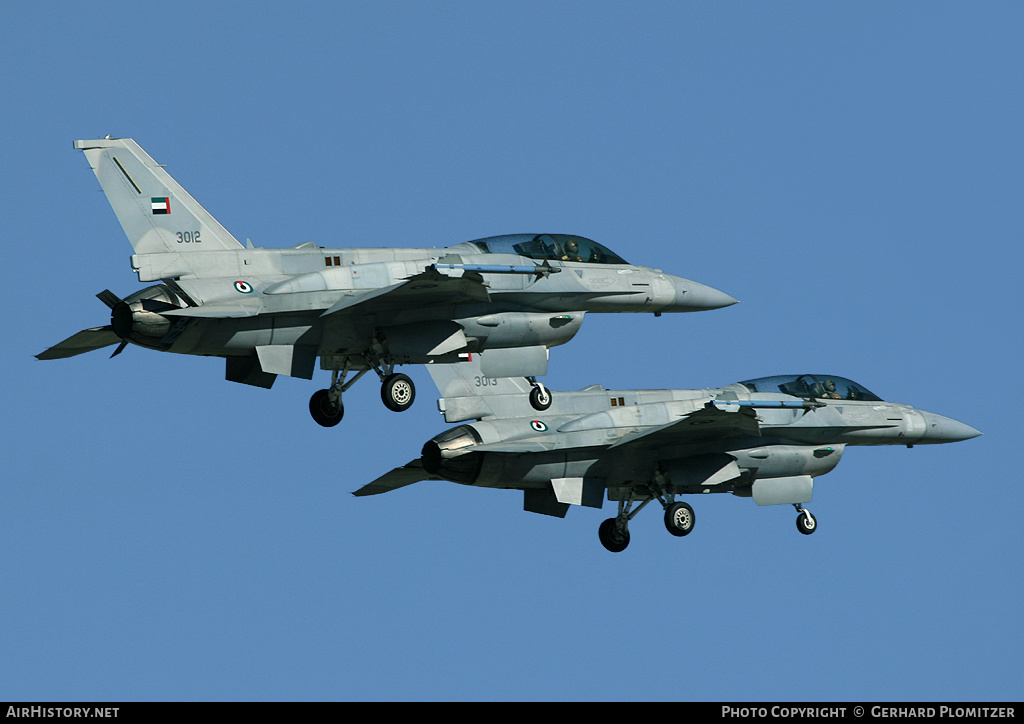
(161, 205)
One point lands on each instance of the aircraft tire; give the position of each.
(324, 413)
(679, 519)
(611, 538)
(540, 398)
(397, 392)
(804, 526)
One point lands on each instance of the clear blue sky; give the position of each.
(852, 172)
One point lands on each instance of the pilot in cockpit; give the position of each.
(571, 251)
(829, 390)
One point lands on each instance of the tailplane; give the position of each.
(156, 213)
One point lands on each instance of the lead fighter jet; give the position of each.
(272, 312)
(765, 439)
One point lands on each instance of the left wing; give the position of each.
(425, 289)
(708, 423)
(411, 472)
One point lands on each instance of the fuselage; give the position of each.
(257, 297)
(584, 435)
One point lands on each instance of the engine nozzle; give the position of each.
(447, 455)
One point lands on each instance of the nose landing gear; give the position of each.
(805, 522)
(540, 396)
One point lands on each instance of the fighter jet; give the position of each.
(272, 312)
(765, 439)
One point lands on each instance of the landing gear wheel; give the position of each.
(325, 412)
(540, 397)
(805, 523)
(397, 392)
(679, 519)
(611, 537)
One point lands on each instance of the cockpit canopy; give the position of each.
(827, 387)
(553, 247)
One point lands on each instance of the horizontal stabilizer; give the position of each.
(85, 341)
(411, 472)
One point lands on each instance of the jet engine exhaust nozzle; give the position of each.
(445, 455)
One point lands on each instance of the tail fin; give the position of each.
(466, 379)
(466, 393)
(156, 213)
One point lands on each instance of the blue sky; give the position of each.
(850, 171)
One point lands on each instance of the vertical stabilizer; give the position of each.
(156, 213)
(466, 393)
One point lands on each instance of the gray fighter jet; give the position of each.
(272, 312)
(765, 439)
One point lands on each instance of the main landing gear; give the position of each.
(679, 518)
(397, 392)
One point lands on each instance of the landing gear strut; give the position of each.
(679, 516)
(397, 393)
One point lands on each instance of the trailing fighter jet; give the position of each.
(765, 439)
(272, 312)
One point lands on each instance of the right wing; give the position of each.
(411, 472)
(706, 424)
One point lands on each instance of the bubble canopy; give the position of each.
(550, 247)
(826, 387)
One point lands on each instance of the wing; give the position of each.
(85, 341)
(708, 423)
(411, 472)
(425, 289)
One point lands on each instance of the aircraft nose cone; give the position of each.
(945, 429)
(697, 297)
